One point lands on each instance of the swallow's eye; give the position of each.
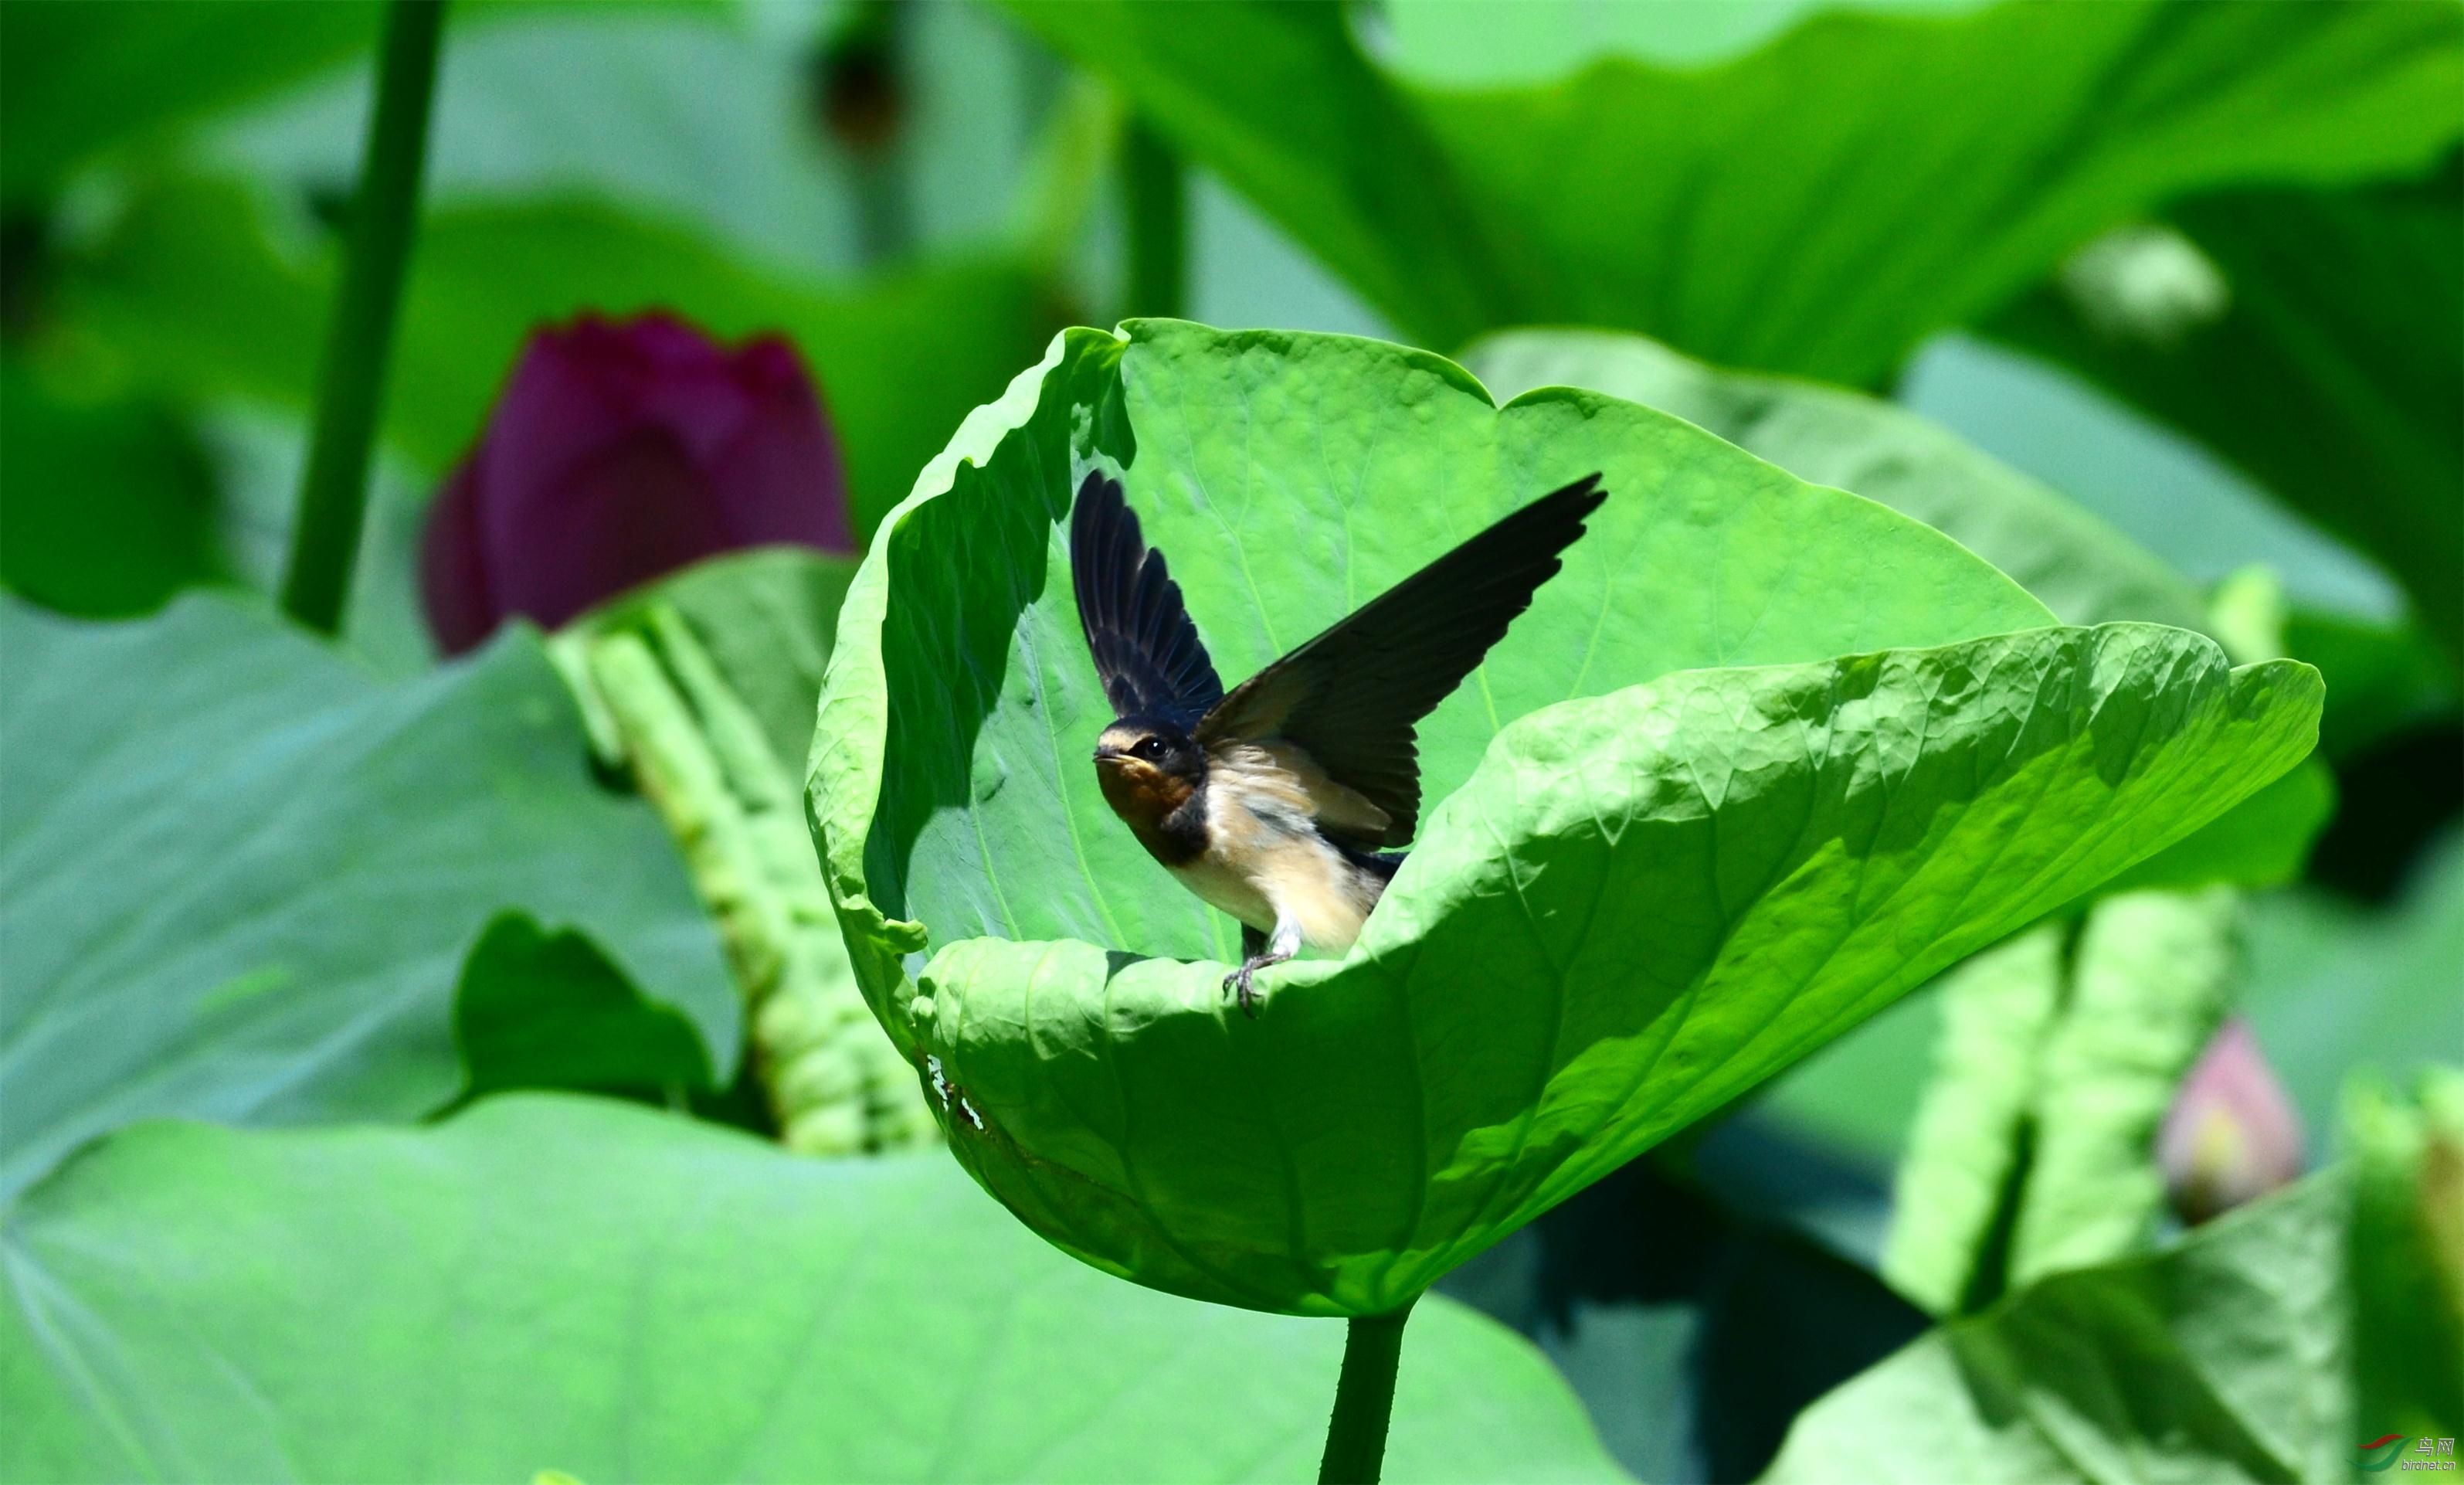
(1149, 748)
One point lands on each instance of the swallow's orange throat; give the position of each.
(1147, 800)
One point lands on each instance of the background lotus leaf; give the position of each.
(558, 1283)
(1818, 205)
(1644, 902)
(2222, 1358)
(2334, 374)
(2264, 1345)
(252, 897)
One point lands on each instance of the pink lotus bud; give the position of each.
(2232, 1136)
(621, 451)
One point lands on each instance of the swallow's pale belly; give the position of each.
(1265, 861)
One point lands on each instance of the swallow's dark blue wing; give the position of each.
(1352, 696)
(1146, 649)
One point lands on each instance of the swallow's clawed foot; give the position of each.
(1240, 984)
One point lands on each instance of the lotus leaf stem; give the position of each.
(1156, 187)
(1364, 1399)
(350, 383)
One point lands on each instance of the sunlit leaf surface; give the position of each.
(551, 1283)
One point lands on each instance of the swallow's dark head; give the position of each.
(1147, 768)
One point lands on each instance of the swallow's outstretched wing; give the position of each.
(1146, 649)
(1352, 697)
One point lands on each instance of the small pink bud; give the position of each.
(2232, 1136)
(621, 451)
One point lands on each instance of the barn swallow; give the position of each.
(1276, 801)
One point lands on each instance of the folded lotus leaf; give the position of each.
(1677, 840)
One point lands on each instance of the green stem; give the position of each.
(350, 382)
(1156, 191)
(1364, 1397)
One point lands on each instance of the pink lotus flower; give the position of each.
(620, 451)
(2231, 1136)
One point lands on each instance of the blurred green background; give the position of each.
(2196, 270)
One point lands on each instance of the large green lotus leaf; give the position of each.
(557, 1283)
(2264, 841)
(1645, 899)
(2330, 369)
(2082, 569)
(240, 877)
(1819, 205)
(192, 291)
(1291, 477)
(2222, 1358)
(1639, 907)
